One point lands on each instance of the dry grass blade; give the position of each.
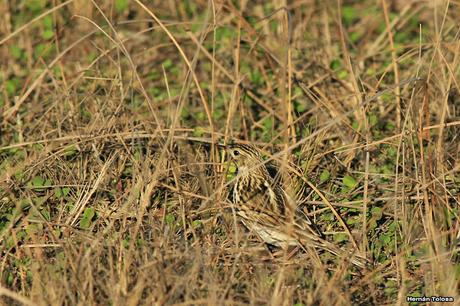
(115, 186)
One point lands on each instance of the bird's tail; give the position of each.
(354, 256)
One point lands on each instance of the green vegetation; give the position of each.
(113, 188)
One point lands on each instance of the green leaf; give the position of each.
(16, 52)
(61, 192)
(349, 14)
(342, 74)
(167, 64)
(35, 5)
(198, 131)
(232, 168)
(325, 175)
(47, 22)
(70, 151)
(300, 107)
(170, 219)
(46, 214)
(326, 217)
(200, 116)
(37, 183)
(390, 126)
(386, 97)
(57, 232)
(349, 181)
(370, 71)
(224, 33)
(38, 147)
(391, 152)
(355, 36)
(25, 204)
(196, 223)
(43, 50)
(256, 77)
(34, 228)
(10, 279)
(386, 239)
(218, 114)
(11, 86)
(340, 237)
(48, 34)
(121, 5)
(88, 215)
(335, 64)
(267, 123)
(231, 173)
(373, 120)
(393, 226)
(185, 114)
(204, 85)
(84, 223)
(377, 212)
(355, 125)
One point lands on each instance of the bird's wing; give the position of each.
(263, 204)
(269, 205)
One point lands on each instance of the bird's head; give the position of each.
(245, 156)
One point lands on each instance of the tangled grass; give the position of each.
(114, 187)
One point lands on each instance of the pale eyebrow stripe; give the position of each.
(250, 149)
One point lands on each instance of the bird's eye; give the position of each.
(236, 152)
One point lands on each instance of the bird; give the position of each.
(265, 207)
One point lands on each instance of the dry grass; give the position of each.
(113, 185)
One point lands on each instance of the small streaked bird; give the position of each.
(268, 210)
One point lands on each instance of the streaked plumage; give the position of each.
(267, 209)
